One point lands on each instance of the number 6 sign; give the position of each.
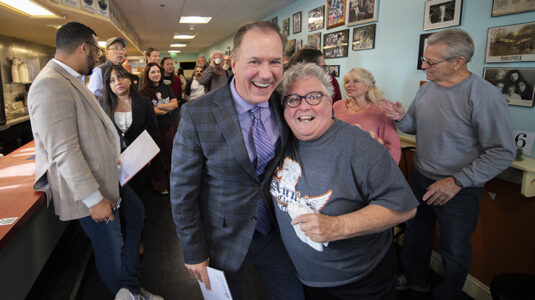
(524, 140)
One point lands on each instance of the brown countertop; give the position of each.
(17, 197)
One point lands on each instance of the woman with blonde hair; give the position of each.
(363, 108)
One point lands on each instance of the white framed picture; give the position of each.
(442, 13)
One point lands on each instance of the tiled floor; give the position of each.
(162, 270)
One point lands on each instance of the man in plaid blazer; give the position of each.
(215, 190)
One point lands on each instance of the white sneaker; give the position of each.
(124, 294)
(146, 295)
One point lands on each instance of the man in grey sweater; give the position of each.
(464, 138)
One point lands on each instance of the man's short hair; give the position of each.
(71, 35)
(150, 50)
(458, 41)
(164, 59)
(262, 25)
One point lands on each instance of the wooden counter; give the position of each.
(17, 197)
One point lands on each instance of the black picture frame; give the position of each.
(274, 21)
(296, 22)
(316, 18)
(285, 30)
(335, 44)
(363, 37)
(516, 84)
(421, 49)
(333, 70)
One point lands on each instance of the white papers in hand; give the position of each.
(295, 210)
(136, 156)
(218, 286)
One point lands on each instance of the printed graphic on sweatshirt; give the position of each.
(283, 188)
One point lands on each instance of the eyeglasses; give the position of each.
(312, 98)
(99, 51)
(117, 49)
(423, 60)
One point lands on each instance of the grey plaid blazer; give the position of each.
(214, 188)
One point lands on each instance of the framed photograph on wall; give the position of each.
(298, 45)
(442, 13)
(511, 43)
(421, 49)
(315, 18)
(333, 70)
(314, 40)
(364, 37)
(285, 30)
(296, 22)
(361, 11)
(274, 20)
(336, 13)
(335, 44)
(516, 84)
(507, 7)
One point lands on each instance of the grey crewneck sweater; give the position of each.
(463, 131)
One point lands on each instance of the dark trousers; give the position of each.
(161, 164)
(457, 221)
(116, 244)
(274, 267)
(379, 284)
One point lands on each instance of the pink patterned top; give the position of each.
(372, 119)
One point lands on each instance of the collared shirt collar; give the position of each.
(68, 69)
(240, 104)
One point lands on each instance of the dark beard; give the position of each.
(90, 65)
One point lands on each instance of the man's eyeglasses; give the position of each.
(423, 60)
(312, 98)
(118, 49)
(100, 52)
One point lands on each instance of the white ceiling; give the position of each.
(154, 22)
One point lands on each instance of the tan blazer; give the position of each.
(77, 146)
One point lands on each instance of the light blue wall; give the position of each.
(222, 46)
(393, 61)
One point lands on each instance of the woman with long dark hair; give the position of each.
(130, 112)
(164, 103)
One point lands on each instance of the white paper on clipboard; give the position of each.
(218, 286)
(142, 150)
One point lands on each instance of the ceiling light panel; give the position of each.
(195, 20)
(28, 7)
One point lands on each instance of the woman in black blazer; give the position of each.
(130, 112)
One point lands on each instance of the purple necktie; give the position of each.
(264, 154)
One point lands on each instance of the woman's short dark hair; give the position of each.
(108, 100)
(306, 55)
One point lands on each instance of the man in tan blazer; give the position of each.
(77, 150)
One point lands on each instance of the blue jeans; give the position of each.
(457, 221)
(274, 267)
(116, 244)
